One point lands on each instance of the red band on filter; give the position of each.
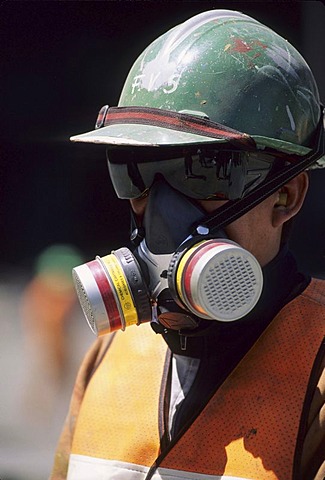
(114, 318)
(190, 265)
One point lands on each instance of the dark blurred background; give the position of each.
(60, 62)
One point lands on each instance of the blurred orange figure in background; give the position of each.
(47, 304)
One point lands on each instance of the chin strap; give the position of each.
(234, 209)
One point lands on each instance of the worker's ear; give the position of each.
(290, 199)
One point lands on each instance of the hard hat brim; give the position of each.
(142, 135)
(138, 135)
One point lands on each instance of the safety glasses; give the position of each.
(200, 173)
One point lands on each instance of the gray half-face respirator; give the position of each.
(170, 274)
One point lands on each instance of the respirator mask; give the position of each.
(179, 272)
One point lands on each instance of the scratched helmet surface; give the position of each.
(230, 68)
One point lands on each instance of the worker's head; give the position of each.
(216, 124)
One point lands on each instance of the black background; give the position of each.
(59, 63)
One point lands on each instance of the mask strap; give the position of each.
(234, 209)
(137, 230)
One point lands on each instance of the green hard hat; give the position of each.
(224, 68)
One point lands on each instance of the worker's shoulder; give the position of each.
(101, 346)
(315, 291)
(94, 356)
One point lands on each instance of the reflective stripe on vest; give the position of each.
(90, 468)
(248, 429)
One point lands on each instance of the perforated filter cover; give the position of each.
(226, 283)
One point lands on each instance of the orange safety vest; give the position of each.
(249, 429)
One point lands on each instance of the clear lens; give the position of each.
(200, 174)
